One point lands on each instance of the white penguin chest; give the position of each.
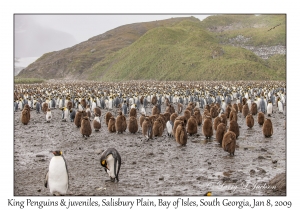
(110, 164)
(58, 175)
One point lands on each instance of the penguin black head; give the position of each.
(57, 153)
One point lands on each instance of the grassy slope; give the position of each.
(183, 51)
(252, 26)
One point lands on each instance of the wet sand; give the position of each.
(155, 167)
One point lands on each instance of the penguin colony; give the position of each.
(139, 109)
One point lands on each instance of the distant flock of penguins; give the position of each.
(80, 102)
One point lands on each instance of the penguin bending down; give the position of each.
(57, 177)
(111, 161)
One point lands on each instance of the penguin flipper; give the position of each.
(46, 180)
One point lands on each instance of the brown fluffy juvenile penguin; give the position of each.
(240, 107)
(224, 118)
(70, 105)
(112, 125)
(133, 125)
(234, 127)
(179, 108)
(154, 100)
(158, 127)
(77, 120)
(229, 142)
(214, 111)
(198, 117)
(121, 123)
(147, 128)
(88, 111)
(187, 114)
(228, 110)
(97, 111)
(192, 125)
(253, 109)
(107, 117)
(28, 109)
(173, 117)
(141, 119)
(133, 112)
(45, 107)
(85, 127)
(181, 135)
(25, 116)
(267, 128)
(97, 123)
(221, 130)
(245, 110)
(83, 103)
(233, 115)
(217, 121)
(260, 118)
(155, 110)
(207, 128)
(167, 116)
(235, 106)
(250, 121)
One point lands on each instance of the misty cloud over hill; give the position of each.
(33, 39)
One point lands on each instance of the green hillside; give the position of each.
(182, 52)
(173, 49)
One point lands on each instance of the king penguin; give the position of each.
(111, 161)
(57, 177)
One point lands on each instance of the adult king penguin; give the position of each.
(111, 161)
(57, 177)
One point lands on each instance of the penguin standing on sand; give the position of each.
(124, 108)
(111, 161)
(72, 115)
(48, 115)
(15, 106)
(37, 107)
(269, 108)
(57, 177)
(65, 114)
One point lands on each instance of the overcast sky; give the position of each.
(39, 34)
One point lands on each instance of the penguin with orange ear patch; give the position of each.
(267, 128)
(229, 142)
(249, 120)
